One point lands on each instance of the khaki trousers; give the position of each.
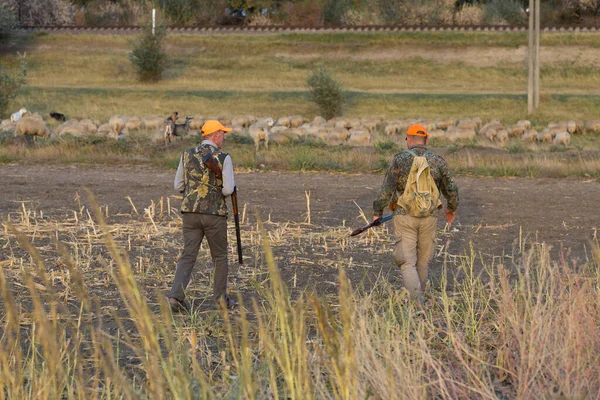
(415, 243)
(195, 228)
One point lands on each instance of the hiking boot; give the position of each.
(230, 303)
(179, 305)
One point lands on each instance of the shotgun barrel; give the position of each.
(236, 218)
(377, 222)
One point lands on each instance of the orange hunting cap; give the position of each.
(211, 126)
(417, 130)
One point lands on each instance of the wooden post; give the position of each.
(153, 20)
(530, 61)
(536, 77)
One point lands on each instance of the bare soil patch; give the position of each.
(494, 213)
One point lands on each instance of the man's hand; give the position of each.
(450, 215)
(375, 219)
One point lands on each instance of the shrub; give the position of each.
(385, 146)
(148, 56)
(504, 11)
(326, 92)
(8, 23)
(200, 12)
(10, 84)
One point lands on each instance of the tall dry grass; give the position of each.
(526, 328)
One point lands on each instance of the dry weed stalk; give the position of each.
(526, 330)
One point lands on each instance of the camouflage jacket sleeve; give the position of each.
(448, 187)
(388, 188)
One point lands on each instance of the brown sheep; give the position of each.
(529, 136)
(296, 121)
(592, 126)
(31, 126)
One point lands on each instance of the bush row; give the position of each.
(298, 12)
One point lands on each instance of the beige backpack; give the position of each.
(421, 197)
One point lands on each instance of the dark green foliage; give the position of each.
(10, 84)
(148, 56)
(385, 146)
(504, 10)
(326, 92)
(197, 12)
(8, 24)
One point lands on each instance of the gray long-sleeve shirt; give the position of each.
(228, 179)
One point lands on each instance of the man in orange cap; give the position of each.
(204, 212)
(415, 224)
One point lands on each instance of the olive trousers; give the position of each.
(415, 243)
(195, 228)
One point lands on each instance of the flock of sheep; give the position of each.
(337, 131)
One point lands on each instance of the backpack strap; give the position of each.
(412, 153)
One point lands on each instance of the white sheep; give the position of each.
(529, 136)
(494, 125)
(525, 123)
(117, 124)
(359, 138)
(283, 137)
(296, 121)
(545, 136)
(318, 120)
(467, 124)
(444, 123)
(197, 122)
(259, 132)
(283, 121)
(391, 129)
(133, 124)
(278, 129)
(90, 125)
(243, 120)
(31, 126)
(502, 136)
(152, 122)
(103, 129)
(338, 136)
(15, 117)
(563, 138)
(455, 133)
(75, 130)
(516, 130)
(370, 125)
(318, 132)
(437, 134)
(8, 126)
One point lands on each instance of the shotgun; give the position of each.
(209, 161)
(236, 218)
(377, 222)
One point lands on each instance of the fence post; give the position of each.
(153, 20)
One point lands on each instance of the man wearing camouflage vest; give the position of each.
(415, 236)
(204, 212)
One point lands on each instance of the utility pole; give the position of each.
(533, 55)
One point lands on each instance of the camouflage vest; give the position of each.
(203, 191)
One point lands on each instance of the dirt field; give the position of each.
(492, 213)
